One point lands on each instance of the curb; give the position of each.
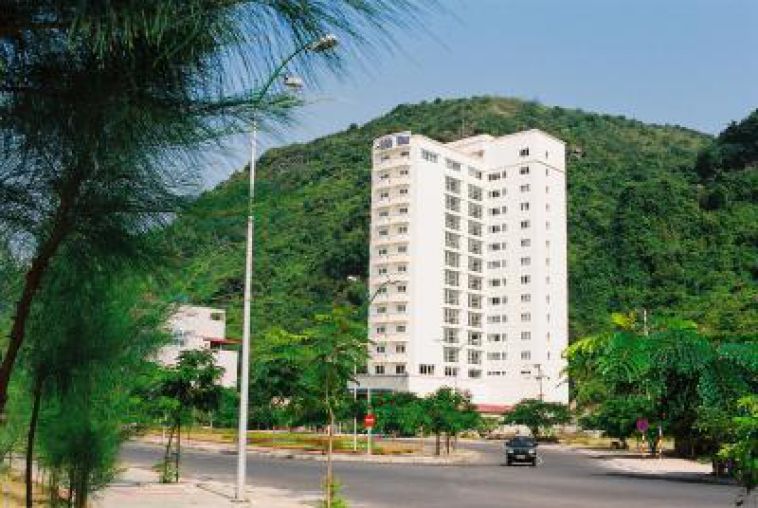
(373, 459)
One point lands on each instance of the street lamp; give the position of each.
(318, 45)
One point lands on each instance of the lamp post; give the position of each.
(319, 45)
(353, 278)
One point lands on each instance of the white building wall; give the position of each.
(523, 327)
(194, 327)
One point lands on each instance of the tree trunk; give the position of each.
(32, 283)
(329, 448)
(37, 394)
(437, 444)
(447, 443)
(178, 448)
(167, 454)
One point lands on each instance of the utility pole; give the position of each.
(539, 379)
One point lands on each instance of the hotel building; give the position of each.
(468, 267)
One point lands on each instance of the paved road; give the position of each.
(565, 479)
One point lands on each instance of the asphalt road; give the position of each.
(565, 479)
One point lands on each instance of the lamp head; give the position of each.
(294, 83)
(324, 43)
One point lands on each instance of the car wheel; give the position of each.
(508, 462)
(534, 463)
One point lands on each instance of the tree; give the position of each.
(103, 108)
(742, 450)
(191, 385)
(399, 413)
(336, 346)
(448, 411)
(537, 415)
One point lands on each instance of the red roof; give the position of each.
(493, 408)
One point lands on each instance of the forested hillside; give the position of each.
(660, 217)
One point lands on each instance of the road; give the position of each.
(566, 479)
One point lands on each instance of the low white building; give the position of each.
(193, 327)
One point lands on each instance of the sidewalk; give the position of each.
(139, 488)
(460, 457)
(670, 468)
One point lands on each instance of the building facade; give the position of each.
(193, 327)
(468, 271)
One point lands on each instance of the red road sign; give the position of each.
(369, 420)
(642, 424)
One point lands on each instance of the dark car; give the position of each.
(521, 449)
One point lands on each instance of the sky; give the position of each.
(687, 62)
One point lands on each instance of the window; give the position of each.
(474, 282)
(384, 195)
(403, 191)
(494, 211)
(495, 194)
(475, 173)
(526, 316)
(493, 356)
(494, 246)
(526, 297)
(451, 371)
(524, 188)
(524, 170)
(403, 210)
(475, 210)
(493, 264)
(493, 337)
(400, 369)
(474, 373)
(452, 278)
(526, 242)
(493, 283)
(524, 224)
(382, 290)
(379, 369)
(474, 264)
(526, 261)
(382, 270)
(452, 185)
(452, 316)
(452, 221)
(493, 176)
(400, 348)
(426, 370)
(474, 319)
(402, 268)
(402, 230)
(474, 357)
(400, 308)
(474, 228)
(524, 207)
(382, 251)
(451, 164)
(403, 172)
(526, 279)
(474, 338)
(452, 259)
(474, 192)
(547, 224)
(493, 319)
(475, 301)
(384, 213)
(452, 203)
(402, 249)
(450, 354)
(380, 349)
(429, 156)
(526, 355)
(452, 297)
(383, 231)
(402, 288)
(524, 152)
(474, 246)
(382, 309)
(381, 329)
(495, 300)
(452, 240)
(495, 228)
(526, 335)
(400, 328)
(450, 335)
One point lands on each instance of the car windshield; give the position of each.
(522, 441)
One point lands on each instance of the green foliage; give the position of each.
(401, 413)
(448, 411)
(638, 236)
(672, 375)
(743, 448)
(537, 415)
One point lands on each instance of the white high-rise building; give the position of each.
(468, 267)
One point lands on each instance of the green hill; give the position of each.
(646, 229)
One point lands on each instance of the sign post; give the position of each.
(368, 421)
